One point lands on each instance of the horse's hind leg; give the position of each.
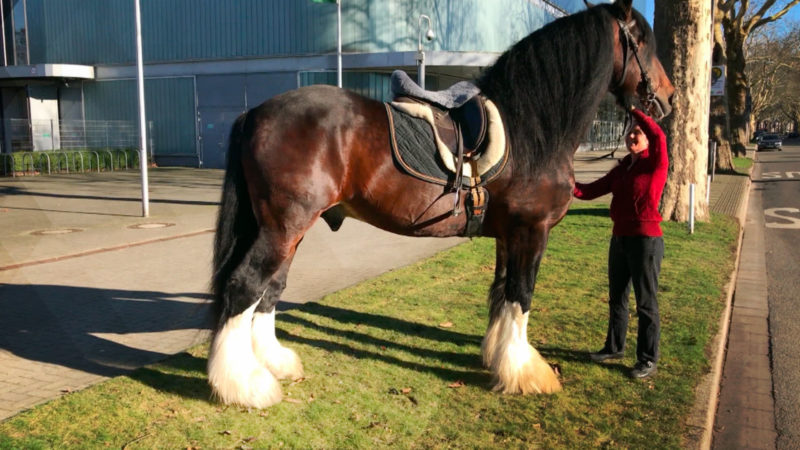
(517, 367)
(235, 373)
(281, 361)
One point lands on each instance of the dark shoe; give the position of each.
(604, 354)
(643, 369)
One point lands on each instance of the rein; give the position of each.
(630, 41)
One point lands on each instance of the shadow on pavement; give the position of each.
(9, 191)
(88, 329)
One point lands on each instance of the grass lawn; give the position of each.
(395, 361)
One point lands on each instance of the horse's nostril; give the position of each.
(670, 99)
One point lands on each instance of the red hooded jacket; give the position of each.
(636, 189)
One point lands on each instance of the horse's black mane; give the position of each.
(549, 85)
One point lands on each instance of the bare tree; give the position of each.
(718, 125)
(738, 22)
(683, 32)
(771, 60)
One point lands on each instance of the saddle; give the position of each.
(459, 113)
(463, 129)
(468, 134)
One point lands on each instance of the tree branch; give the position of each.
(775, 16)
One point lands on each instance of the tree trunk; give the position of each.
(736, 90)
(719, 129)
(683, 33)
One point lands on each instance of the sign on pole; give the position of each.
(717, 81)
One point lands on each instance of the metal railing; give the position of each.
(37, 135)
(604, 135)
(67, 161)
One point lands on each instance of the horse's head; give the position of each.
(638, 76)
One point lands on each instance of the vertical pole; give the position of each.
(691, 208)
(712, 156)
(421, 71)
(339, 43)
(142, 121)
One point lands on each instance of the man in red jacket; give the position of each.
(637, 247)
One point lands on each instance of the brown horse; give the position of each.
(321, 151)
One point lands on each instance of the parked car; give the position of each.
(770, 141)
(757, 134)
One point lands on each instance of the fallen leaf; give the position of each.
(292, 400)
(383, 347)
(447, 324)
(225, 432)
(405, 390)
(249, 439)
(456, 384)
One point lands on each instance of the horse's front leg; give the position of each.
(516, 365)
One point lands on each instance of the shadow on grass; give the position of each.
(389, 323)
(467, 365)
(601, 212)
(472, 375)
(184, 385)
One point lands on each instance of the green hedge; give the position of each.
(62, 161)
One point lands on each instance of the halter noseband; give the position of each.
(630, 41)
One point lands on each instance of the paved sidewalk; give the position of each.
(119, 292)
(90, 290)
(745, 416)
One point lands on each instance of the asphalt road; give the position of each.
(778, 180)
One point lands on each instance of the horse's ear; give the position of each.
(625, 7)
(588, 4)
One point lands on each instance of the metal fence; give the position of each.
(38, 135)
(604, 135)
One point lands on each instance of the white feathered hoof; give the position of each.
(517, 367)
(235, 375)
(281, 361)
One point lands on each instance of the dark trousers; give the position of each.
(634, 260)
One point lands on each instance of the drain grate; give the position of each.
(151, 225)
(55, 231)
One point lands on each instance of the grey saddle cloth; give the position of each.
(453, 97)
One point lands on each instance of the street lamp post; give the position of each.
(420, 53)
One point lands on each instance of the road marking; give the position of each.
(774, 175)
(774, 212)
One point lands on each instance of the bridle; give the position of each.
(645, 84)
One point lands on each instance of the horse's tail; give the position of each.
(237, 227)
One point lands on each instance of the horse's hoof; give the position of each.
(532, 376)
(282, 362)
(258, 389)
(517, 367)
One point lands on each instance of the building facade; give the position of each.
(207, 61)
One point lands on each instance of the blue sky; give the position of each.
(646, 8)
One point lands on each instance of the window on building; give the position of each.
(15, 32)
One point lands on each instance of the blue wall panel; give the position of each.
(169, 106)
(102, 31)
(372, 85)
